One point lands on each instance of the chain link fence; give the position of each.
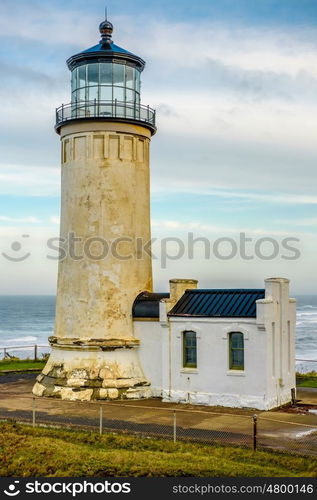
(282, 435)
(165, 421)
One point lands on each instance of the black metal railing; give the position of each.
(105, 109)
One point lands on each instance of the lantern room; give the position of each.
(106, 85)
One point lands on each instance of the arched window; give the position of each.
(189, 350)
(236, 351)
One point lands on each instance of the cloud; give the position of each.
(29, 181)
(45, 23)
(200, 188)
(294, 221)
(55, 219)
(17, 220)
(200, 229)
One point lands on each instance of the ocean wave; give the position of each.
(301, 314)
(24, 339)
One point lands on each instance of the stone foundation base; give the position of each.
(79, 374)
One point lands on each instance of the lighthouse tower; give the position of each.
(105, 224)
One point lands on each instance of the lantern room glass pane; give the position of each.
(82, 76)
(118, 93)
(130, 95)
(92, 93)
(81, 94)
(130, 77)
(74, 79)
(105, 93)
(137, 80)
(106, 74)
(118, 75)
(93, 74)
(74, 96)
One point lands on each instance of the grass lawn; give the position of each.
(306, 379)
(29, 452)
(23, 364)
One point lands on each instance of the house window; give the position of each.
(189, 350)
(236, 351)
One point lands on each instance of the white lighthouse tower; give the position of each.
(105, 222)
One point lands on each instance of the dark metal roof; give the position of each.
(146, 305)
(106, 50)
(101, 53)
(229, 303)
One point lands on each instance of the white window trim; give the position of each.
(236, 373)
(235, 327)
(191, 327)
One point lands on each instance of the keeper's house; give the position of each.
(228, 347)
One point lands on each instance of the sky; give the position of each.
(234, 83)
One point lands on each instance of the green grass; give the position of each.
(306, 379)
(23, 364)
(35, 452)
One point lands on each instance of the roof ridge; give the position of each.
(223, 290)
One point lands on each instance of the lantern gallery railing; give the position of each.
(105, 110)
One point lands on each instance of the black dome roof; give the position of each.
(105, 50)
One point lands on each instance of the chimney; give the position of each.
(277, 289)
(178, 287)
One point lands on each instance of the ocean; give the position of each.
(29, 320)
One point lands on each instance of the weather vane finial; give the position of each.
(106, 29)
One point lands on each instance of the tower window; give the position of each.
(189, 350)
(236, 351)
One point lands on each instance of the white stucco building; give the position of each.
(219, 347)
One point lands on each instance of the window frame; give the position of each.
(232, 366)
(185, 364)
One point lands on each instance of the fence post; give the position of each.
(174, 427)
(35, 352)
(255, 418)
(33, 412)
(100, 420)
(293, 396)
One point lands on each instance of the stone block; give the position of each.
(71, 395)
(103, 393)
(38, 389)
(113, 393)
